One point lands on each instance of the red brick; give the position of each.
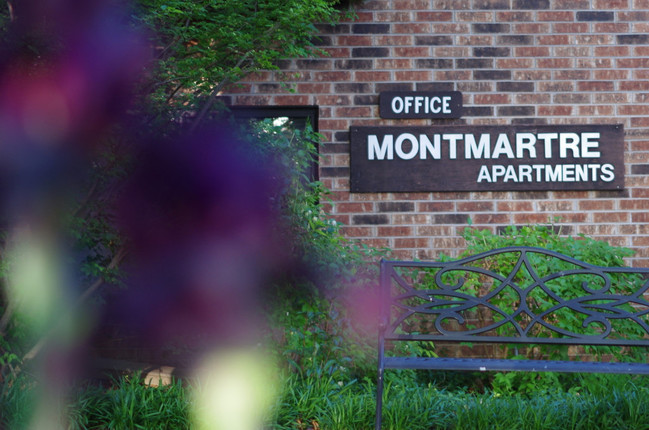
(412, 51)
(340, 219)
(641, 51)
(353, 112)
(555, 16)
(331, 100)
(474, 16)
(634, 109)
(364, 17)
(313, 88)
(354, 231)
(411, 4)
(411, 28)
(555, 63)
(595, 86)
(612, 51)
(489, 99)
(391, 231)
(572, 27)
(490, 218)
(338, 76)
(530, 218)
(394, 40)
(435, 230)
(393, 63)
(415, 75)
(252, 100)
(611, 4)
(610, 217)
(571, 75)
(596, 205)
(450, 28)
(531, 51)
(354, 40)
(418, 242)
(611, 27)
(291, 100)
(514, 16)
(433, 16)
(480, 40)
(554, 39)
(436, 206)
(410, 196)
(514, 63)
(533, 98)
(610, 75)
(555, 110)
(452, 75)
(392, 16)
(373, 76)
(595, 39)
(515, 206)
(401, 254)
(594, 110)
(410, 218)
(634, 204)
(471, 206)
(531, 28)
(633, 63)
(532, 75)
(571, 4)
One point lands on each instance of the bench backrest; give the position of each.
(515, 295)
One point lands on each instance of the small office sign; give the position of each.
(418, 105)
(487, 158)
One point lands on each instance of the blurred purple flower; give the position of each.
(199, 215)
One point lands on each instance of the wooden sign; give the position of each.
(487, 158)
(402, 105)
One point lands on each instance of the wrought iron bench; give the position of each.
(515, 297)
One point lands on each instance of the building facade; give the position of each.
(524, 69)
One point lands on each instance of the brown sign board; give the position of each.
(486, 158)
(420, 104)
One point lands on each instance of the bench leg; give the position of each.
(379, 399)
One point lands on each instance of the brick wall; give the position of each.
(516, 62)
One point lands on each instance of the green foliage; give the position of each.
(129, 404)
(203, 46)
(312, 330)
(582, 248)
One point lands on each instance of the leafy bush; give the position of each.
(548, 237)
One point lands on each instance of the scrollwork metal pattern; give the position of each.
(445, 303)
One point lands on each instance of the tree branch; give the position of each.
(215, 92)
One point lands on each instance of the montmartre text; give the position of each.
(407, 146)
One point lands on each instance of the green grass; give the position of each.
(408, 405)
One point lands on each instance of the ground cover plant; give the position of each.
(324, 403)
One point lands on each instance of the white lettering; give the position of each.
(414, 146)
(608, 172)
(547, 139)
(510, 174)
(587, 145)
(525, 142)
(477, 150)
(503, 147)
(568, 141)
(425, 145)
(385, 150)
(397, 105)
(484, 174)
(525, 173)
(452, 144)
